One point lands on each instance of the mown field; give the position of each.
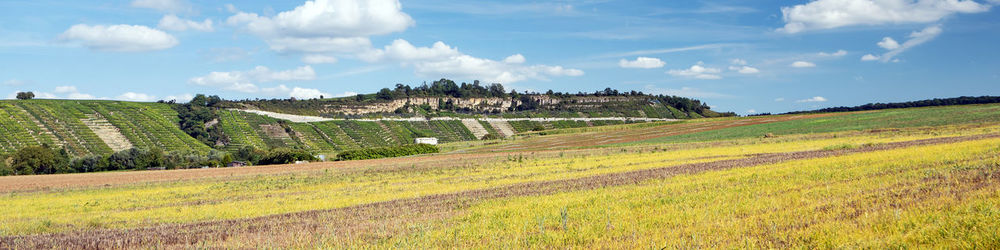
(907, 178)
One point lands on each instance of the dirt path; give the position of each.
(373, 220)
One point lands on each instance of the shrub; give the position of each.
(285, 156)
(39, 160)
(384, 152)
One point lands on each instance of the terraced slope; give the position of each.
(72, 124)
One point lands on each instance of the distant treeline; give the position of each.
(386, 152)
(449, 88)
(964, 100)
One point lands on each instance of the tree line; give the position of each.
(963, 100)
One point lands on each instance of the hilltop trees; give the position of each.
(198, 112)
(25, 95)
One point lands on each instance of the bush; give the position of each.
(384, 152)
(39, 160)
(286, 156)
(490, 137)
(4, 170)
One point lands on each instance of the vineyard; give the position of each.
(907, 178)
(65, 124)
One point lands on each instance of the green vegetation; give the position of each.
(964, 100)
(450, 97)
(882, 119)
(385, 152)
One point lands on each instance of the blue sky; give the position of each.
(741, 56)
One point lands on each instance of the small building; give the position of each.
(236, 164)
(426, 140)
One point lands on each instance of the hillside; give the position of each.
(916, 177)
(86, 128)
(91, 127)
(445, 98)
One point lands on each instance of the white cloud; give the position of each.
(916, 38)
(751, 111)
(326, 24)
(346, 94)
(246, 81)
(517, 58)
(642, 63)
(838, 53)
(744, 69)
(173, 23)
(697, 71)
(182, 98)
(441, 60)
(304, 93)
(830, 14)
(121, 38)
(802, 64)
(738, 61)
(813, 99)
(66, 89)
(318, 59)
(779, 99)
(135, 97)
(869, 57)
(163, 5)
(888, 43)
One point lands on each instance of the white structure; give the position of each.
(426, 140)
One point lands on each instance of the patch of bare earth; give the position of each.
(383, 219)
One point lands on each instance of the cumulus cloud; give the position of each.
(173, 23)
(642, 63)
(830, 14)
(163, 5)
(517, 58)
(182, 98)
(779, 99)
(697, 71)
(869, 57)
(888, 43)
(915, 38)
(738, 61)
(838, 53)
(304, 93)
(80, 96)
(813, 99)
(318, 59)
(135, 97)
(326, 25)
(246, 81)
(119, 38)
(802, 64)
(442, 60)
(744, 69)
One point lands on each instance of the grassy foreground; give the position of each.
(917, 181)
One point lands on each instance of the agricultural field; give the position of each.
(898, 178)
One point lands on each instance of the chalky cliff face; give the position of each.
(486, 105)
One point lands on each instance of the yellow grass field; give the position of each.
(915, 187)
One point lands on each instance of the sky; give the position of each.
(741, 56)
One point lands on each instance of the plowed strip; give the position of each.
(383, 218)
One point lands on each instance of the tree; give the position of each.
(25, 95)
(39, 160)
(384, 94)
